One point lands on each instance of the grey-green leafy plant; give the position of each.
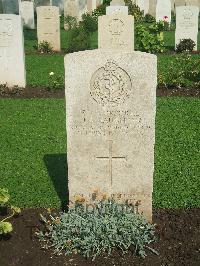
(101, 229)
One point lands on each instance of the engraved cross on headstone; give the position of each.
(110, 158)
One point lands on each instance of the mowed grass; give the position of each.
(38, 67)
(33, 152)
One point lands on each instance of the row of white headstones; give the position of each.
(48, 29)
(75, 8)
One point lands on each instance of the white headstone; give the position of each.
(186, 23)
(163, 10)
(48, 26)
(111, 105)
(152, 7)
(179, 3)
(75, 8)
(12, 70)
(192, 2)
(116, 31)
(42, 3)
(27, 14)
(143, 5)
(117, 7)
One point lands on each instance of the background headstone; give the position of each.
(11, 6)
(48, 26)
(116, 31)
(111, 105)
(42, 3)
(179, 3)
(186, 23)
(75, 8)
(117, 3)
(143, 5)
(192, 2)
(27, 14)
(93, 4)
(163, 10)
(12, 70)
(117, 6)
(152, 7)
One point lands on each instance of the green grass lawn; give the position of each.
(33, 139)
(33, 152)
(38, 66)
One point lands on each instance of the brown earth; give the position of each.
(178, 233)
(41, 92)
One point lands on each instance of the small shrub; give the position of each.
(91, 232)
(6, 227)
(149, 39)
(135, 11)
(70, 22)
(45, 48)
(89, 23)
(149, 18)
(185, 45)
(100, 10)
(78, 40)
(183, 71)
(56, 82)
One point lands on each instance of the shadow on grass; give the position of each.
(57, 167)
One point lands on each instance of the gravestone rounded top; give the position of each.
(117, 3)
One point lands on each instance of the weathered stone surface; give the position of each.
(42, 3)
(117, 9)
(186, 23)
(117, 6)
(117, 3)
(111, 105)
(12, 67)
(143, 5)
(179, 3)
(48, 26)
(152, 7)
(116, 31)
(163, 10)
(93, 4)
(192, 2)
(27, 14)
(75, 8)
